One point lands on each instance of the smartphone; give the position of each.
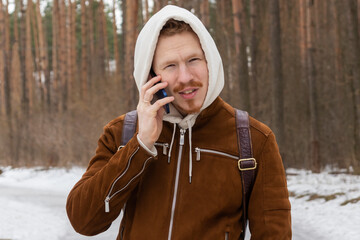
(161, 93)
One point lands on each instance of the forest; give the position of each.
(66, 70)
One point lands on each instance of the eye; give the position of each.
(169, 66)
(194, 59)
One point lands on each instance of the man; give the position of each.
(176, 178)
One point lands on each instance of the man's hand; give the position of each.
(150, 115)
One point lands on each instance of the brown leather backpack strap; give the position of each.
(247, 164)
(129, 127)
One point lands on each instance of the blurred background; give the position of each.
(66, 70)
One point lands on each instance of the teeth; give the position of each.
(189, 91)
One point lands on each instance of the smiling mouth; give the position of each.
(188, 91)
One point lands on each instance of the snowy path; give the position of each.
(32, 207)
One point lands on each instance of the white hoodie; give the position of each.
(144, 53)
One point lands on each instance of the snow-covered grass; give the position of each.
(326, 205)
(32, 205)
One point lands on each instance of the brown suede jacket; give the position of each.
(156, 194)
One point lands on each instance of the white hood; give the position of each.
(145, 48)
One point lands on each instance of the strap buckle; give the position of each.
(243, 164)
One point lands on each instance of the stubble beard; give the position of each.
(191, 107)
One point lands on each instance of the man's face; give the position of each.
(180, 61)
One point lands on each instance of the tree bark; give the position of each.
(241, 58)
(353, 52)
(130, 39)
(116, 49)
(311, 78)
(103, 48)
(92, 54)
(42, 67)
(276, 69)
(84, 57)
(28, 55)
(55, 55)
(2, 60)
(204, 13)
(63, 69)
(358, 15)
(253, 86)
(14, 86)
(146, 11)
(71, 47)
(237, 8)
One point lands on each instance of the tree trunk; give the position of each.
(15, 70)
(116, 48)
(103, 45)
(311, 78)
(43, 61)
(253, 86)
(237, 8)
(204, 12)
(353, 53)
(84, 57)
(69, 47)
(2, 60)
(55, 53)
(63, 70)
(276, 69)
(36, 50)
(146, 11)
(7, 60)
(358, 15)
(122, 50)
(92, 54)
(22, 140)
(74, 43)
(302, 34)
(131, 34)
(241, 58)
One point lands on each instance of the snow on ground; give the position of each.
(32, 205)
(321, 203)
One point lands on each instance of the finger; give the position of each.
(151, 91)
(162, 102)
(149, 84)
(154, 108)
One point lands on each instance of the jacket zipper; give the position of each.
(108, 197)
(165, 146)
(200, 150)
(182, 136)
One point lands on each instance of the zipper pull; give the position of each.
(107, 204)
(182, 136)
(165, 146)
(197, 150)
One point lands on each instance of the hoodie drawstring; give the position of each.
(172, 143)
(190, 151)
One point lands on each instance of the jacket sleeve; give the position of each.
(269, 206)
(112, 176)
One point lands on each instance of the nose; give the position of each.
(185, 74)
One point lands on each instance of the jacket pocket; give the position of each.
(223, 154)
